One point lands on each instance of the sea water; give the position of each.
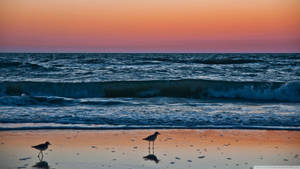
(152, 90)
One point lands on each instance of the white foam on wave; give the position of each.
(287, 92)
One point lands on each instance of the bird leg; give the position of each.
(41, 158)
(153, 148)
(149, 148)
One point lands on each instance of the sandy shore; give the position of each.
(125, 149)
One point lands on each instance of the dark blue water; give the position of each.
(149, 91)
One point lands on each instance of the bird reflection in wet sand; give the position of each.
(152, 156)
(41, 164)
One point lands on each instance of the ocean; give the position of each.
(149, 91)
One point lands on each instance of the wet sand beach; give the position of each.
(125, 149)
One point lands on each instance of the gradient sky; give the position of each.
(150, 25)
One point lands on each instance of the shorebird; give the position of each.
(41, 147)
(152, 138)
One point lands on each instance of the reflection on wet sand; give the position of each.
(234, 149)
(151, 156)
(41, 164)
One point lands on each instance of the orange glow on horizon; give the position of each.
(150, 26)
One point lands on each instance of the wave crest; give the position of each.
(189, 88)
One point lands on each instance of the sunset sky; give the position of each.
(150, 26)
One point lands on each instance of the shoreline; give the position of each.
(46, 126)
(174, 148)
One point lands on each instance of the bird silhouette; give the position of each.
(151, 156)
(41, 147)
(152, 138)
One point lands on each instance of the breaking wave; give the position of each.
(188, 88)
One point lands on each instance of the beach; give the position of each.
(202, 148)
(213, 110)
